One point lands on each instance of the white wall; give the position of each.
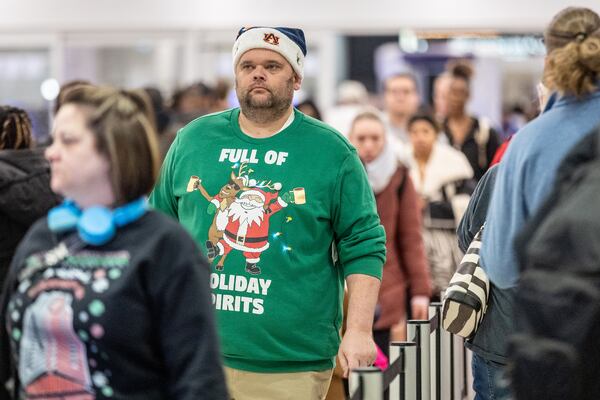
(345, 15)
(486, 90)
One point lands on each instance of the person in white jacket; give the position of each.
(444, 179)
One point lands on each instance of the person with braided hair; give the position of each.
(16, 129)
(25, 193)
(526, 175)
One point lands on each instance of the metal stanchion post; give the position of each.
(366, 384)
(419, 332)
(435, 311)
(447, 366)
(465, 370)
(458, 366)
(404, 387)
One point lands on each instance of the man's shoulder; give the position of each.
(321, 133)
(206, 123)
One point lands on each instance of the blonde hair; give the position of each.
(15, 128)
(573, 44)
(121, 123)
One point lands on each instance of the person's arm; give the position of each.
(5, 358)
(476, 212)
(358, 348)
(360, 240)
(162, 197)
(411, 250)
(8, 376)
(184, 320)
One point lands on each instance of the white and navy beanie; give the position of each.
(289, 42)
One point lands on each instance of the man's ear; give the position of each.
(297, 81)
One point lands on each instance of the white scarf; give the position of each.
(382, 168)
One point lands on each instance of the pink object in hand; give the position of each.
(381, 361)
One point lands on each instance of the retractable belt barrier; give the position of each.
(432, 365)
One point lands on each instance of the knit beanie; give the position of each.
(289, 42)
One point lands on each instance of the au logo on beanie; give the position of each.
(271, 39)
(289, 42)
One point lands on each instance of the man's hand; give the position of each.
(419, 307)
(287, 197)
(356, 350)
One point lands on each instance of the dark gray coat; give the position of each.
(25, 196)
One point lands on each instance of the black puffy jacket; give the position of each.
(25, 196)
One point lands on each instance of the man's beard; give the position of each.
(273, 106)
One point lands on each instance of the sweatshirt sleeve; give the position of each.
(184, 319)
(359, 236)
(163, 197)
(409, 241)
(5, 358)
(7, 367)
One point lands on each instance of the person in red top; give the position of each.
(405, 273)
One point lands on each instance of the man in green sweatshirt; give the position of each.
(282, 206)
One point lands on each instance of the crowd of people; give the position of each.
(265, 251)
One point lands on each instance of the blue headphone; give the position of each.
(95, 225)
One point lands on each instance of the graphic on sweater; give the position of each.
(243, 210)
(60, 355)
(222, 200)
(52, 359)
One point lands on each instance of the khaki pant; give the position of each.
(245, 385)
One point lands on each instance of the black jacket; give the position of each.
(470, 147)
(129, 320)
(557, 318)
(25, 196)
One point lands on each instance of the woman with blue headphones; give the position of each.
(106, 299)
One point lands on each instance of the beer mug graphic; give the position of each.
(299, 195)
(193, 183)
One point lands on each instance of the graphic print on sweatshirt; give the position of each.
(241, 222)
(55, 322)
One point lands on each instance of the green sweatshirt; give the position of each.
(268, 213)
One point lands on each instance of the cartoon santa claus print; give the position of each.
(247, 228)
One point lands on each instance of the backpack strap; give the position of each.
(482, 137)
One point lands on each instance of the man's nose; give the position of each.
(259, 73)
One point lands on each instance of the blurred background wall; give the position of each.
(172, 44)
